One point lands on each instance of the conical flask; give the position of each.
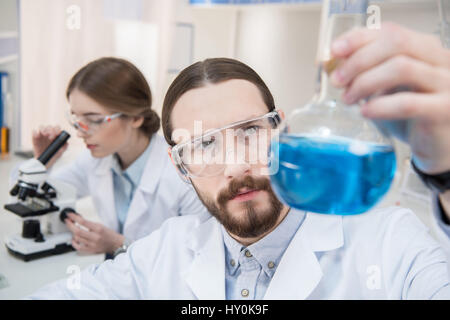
(330, 158)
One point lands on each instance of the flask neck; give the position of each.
(338, 17)
(325, 91)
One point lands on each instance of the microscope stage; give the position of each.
(24, 211)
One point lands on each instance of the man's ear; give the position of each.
(178, 168)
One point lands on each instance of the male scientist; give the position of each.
(251, 246)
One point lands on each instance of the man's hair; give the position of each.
(209, 71)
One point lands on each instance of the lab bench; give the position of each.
(24, 278)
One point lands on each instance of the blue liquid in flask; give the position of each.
(331, 175)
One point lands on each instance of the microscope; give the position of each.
(42, 206)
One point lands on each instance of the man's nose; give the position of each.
(236, 170)
(236, 164)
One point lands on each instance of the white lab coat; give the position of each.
(161, 193)
(384, 254)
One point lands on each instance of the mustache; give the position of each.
(238, 184)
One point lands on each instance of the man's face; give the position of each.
(239, 197)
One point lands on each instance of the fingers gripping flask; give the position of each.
(331, 159)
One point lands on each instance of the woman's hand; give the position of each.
(93, 238)
(376, 61)
(42, 138)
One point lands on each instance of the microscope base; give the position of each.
(28, 249)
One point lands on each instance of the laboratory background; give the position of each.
(44, 42)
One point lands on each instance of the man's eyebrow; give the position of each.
(213, 129)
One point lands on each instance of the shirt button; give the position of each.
(271, 264)
(248, 254)
(232, 262)
(245, 293)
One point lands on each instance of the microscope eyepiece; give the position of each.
(54, 147)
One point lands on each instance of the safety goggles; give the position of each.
(90, 124)
(240, 142)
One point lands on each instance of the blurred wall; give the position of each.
(52, 52)
(280, 42)
(54, 49)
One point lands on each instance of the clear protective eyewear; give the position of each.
(245, 141)
(91, 123)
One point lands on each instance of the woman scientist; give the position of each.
(126, 169)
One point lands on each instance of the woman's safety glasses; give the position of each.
(240, 142)
(90, 124)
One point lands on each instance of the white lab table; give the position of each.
(26, 277)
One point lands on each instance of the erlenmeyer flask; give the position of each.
(331, 159)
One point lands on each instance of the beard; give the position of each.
(252, 223)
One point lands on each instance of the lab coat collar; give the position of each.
(156, 161)
(206, 275)
(323, 232)
(299, 271)
(297, 275)
(151, 176)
